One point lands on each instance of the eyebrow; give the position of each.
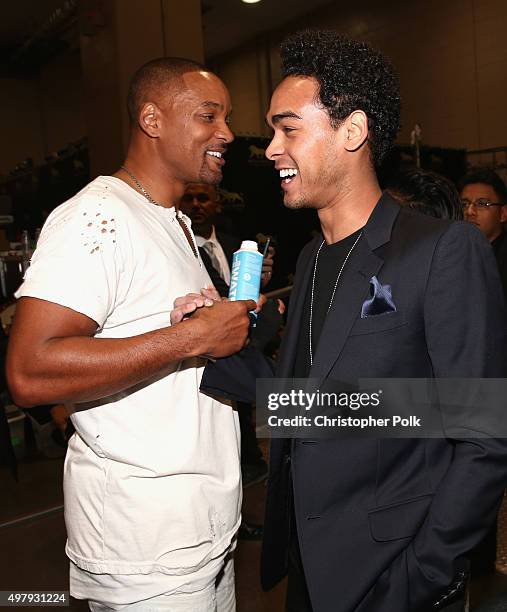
(216, 106)
(284, 115)
(210, 104)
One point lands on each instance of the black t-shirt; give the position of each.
(331, 258)
(497, 244)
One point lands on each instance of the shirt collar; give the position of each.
(200, 240)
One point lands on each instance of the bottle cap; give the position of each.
(248, 245)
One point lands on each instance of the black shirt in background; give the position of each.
(499, 246)
(331, 259)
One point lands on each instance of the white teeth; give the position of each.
(288, 172)
(214, 153)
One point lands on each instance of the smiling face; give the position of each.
(308, 151)
(195, 133)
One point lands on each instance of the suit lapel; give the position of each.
(352, 291)
(354, 286)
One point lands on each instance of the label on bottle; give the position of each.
(245, 275)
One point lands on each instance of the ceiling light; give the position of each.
(251, 1)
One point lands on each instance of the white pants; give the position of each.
(219, 596)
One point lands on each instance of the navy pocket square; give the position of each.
(380, 301)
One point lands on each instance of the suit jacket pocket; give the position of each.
(378, 323)
(400, 520)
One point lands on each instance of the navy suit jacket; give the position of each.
(385, 524)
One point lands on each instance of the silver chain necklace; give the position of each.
(334, 288)
(140, 187)
(153, 201)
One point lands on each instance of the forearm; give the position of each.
(79, 369)
(460, 515)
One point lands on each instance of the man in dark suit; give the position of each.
(373, 525)
(484, 200)
(380, 525)
(201, 203)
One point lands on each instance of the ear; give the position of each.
(150, 119)
(503, 213)
(356, 130)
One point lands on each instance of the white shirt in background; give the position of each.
(217, 255)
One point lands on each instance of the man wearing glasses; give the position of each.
(484, 200)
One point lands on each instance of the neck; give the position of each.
(499, 233)
(154, 177)
(207, 231)
(349, 211)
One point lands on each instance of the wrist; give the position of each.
(195, 337)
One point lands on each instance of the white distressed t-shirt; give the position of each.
(152, 478)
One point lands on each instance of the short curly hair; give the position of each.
(351, 76)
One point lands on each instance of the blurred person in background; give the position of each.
(427, 192)
(201, 203)
(484, 201)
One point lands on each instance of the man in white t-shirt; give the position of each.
(152, 476)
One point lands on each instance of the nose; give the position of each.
(225, 133)
(470, 211)
(195, 204)
(274, 149)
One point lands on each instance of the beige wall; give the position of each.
(247, 76)
(133, 33)
(82, 92)
(451, 56)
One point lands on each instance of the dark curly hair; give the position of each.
(487, 177)
(427, 192)
(351, 76)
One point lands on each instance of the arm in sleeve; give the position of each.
(465, 328)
